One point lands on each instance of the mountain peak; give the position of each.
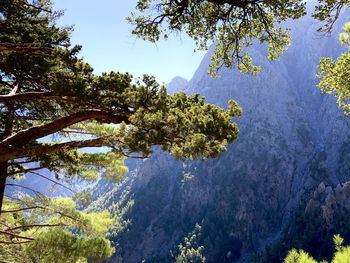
(177, 84)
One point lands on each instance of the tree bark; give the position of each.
(3, 177)
(4, 163)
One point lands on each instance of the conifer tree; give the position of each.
(46, 90)
(53, 105)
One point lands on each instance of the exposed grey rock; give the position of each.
(294, 145)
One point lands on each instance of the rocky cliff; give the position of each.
(293, 142)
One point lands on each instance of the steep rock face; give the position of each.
(291, 139)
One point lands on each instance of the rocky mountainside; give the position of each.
(291, 161)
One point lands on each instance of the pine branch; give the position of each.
(15, 243)
(43, 208)
(47, 96)
(34, 225)
(25, 136)
(14, 235)
(39, 95)
(26, 170)
(23, 3)
(22, 209)
(15, 153)
(33, 95)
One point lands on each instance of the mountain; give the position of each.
(282, 184)
(177, 84)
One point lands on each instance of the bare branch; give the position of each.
(25, 187)
(53, 181)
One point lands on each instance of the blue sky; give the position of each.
(101, 28)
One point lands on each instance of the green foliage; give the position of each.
(189, 251)
(62, 246)
(338, 242)
(342, 254)
(295, 256)
(52, 230)
(232, 25)
(328, 11)
(334, 74)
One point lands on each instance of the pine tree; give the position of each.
(52, 105)
(46, 90)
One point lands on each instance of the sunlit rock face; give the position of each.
(293, 141)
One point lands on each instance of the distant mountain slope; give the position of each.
(292, 140)
(177, 84)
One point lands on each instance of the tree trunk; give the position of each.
(3, 176)
(4, 164)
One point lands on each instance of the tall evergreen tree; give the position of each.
(52, 105)
(46, 89)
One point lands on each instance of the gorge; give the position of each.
(289, 165)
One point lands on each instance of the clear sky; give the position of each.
(100, 27)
